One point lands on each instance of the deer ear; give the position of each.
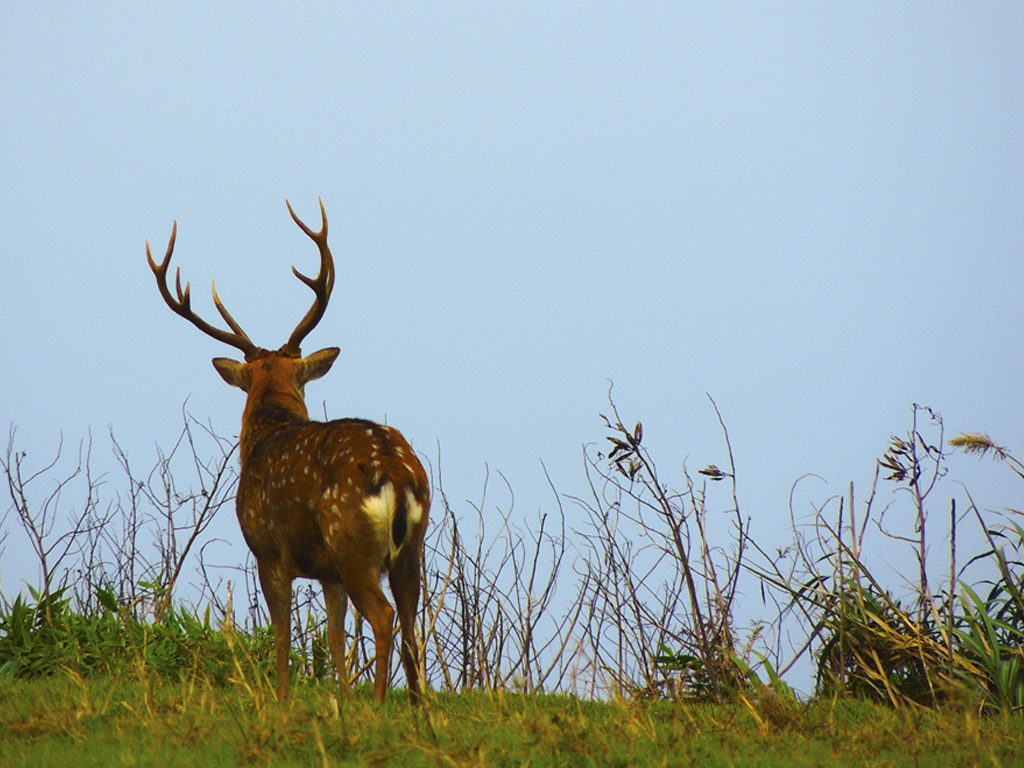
(317, 364)
(233, 372)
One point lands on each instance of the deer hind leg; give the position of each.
(363, 588)
(336, 603)
(405, 586)
(276, 583)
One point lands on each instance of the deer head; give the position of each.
(268, 377)
(341, 501)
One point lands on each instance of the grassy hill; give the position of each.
(70, 721)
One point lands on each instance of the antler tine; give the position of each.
(232, 323)
(322, 285)
(182, 305)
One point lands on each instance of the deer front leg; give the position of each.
(336, 603)
(277, 591)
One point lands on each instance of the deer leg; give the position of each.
(405, 586)
(277, 591)
(369, 600)
(336, 602)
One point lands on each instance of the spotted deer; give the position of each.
(341, 501)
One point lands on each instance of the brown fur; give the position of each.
(301, 497)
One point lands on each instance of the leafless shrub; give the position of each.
(103, 544)
(658, 615)
(37, 499)
(488, 615)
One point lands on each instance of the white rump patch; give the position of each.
(414, 511)
(380, 511)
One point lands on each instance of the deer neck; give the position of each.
(267, 412)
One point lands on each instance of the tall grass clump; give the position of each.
(932, 643)
(46, 636)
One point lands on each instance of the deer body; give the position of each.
(342, 502)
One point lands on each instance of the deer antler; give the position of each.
(182, 305)
(322, 284)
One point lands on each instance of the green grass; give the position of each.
(72, 721)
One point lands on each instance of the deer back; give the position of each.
(313, 492)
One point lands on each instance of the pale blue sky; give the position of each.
(812, 211)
